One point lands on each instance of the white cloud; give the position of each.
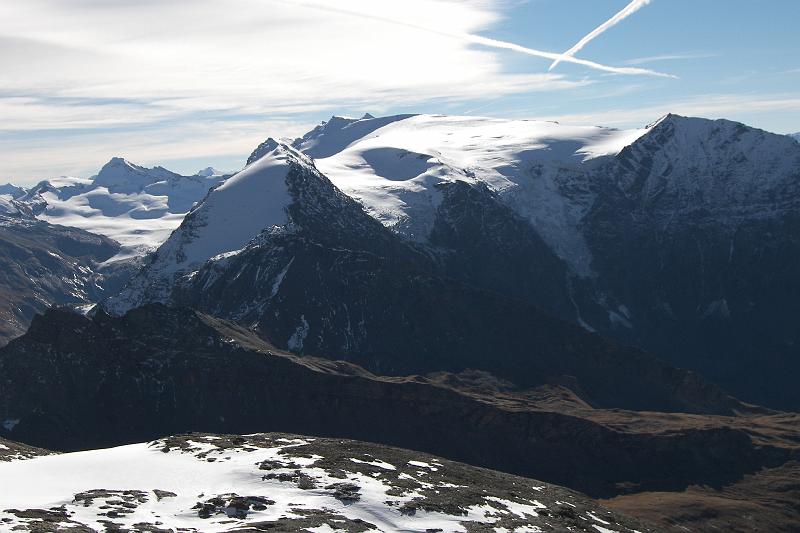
(753, 110)
(108, 65)
(251, 55)
(185, 147)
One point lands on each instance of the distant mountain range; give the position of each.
(136, 206)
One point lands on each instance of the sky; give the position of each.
(194, 83)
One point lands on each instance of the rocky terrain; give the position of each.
(14, 451)
(43, 265)
(283, 482)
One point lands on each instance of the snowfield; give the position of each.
(393, 167)
(136, 206)
(215, 483)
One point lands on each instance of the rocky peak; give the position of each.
(120, 175)
(264, 148)
(687, 163)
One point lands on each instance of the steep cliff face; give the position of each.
(695, 248)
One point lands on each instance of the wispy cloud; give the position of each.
(752, 109)
(78, 67)
(626, 12)
(667, 57)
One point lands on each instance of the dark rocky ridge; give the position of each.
(77, 383)
(43, 265)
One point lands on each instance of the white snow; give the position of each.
(136, 206)
(230, 216)
(295, 342)
(394, 167)
(422, 464)
(51, 481)
(246, 203)
(6, 205)
(602, 529)
(596, 518)
(520, 509)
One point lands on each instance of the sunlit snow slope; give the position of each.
(276, 482)
(393, 165)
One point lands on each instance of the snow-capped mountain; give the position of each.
(72, 241)
(209, 172)
(136, 206)
(795, 136)
(645, 235)
(283, 482)
(394, 167)
(251, 201)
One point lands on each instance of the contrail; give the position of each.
(484, 41)
(493, 43)
(626, 12)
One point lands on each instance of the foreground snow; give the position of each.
(215, 483)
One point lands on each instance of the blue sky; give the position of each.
(195, 83)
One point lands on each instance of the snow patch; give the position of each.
(295, 342)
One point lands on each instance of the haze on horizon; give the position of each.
(195, 83)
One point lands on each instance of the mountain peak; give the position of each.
(271, 146)
(668, 118)
(121, 175)
(209, 172)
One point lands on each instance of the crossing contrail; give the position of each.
(626, 12)
(485, 41)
